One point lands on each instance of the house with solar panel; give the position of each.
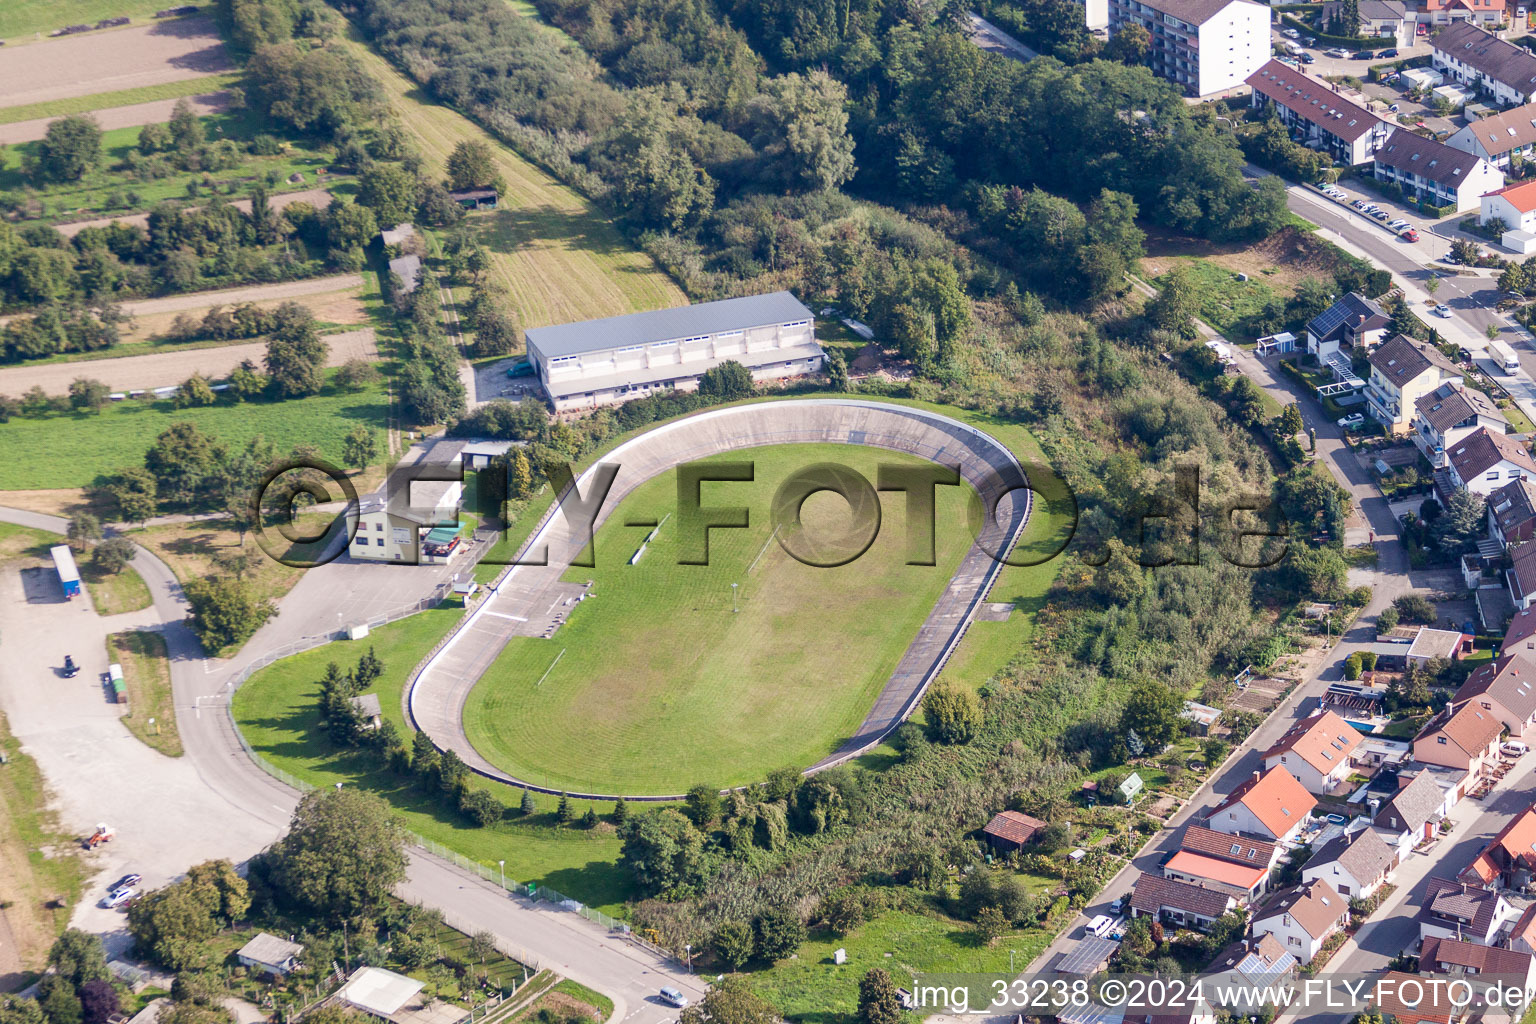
(1259, 961)
(606, 362)
(1353, 323)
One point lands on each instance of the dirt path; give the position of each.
(166, 51)
(163, 369)
(131, 116)
(319, 198)
(255, 293)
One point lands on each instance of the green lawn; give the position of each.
(658, 652)
(147, 674)
(114, 593)
(812, 988)
(1224, 302)
(25, 17)
(120, 98)
(72, 450)
(277, 714)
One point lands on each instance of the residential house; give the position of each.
(1484, 461)
(1244, 882)
(1257, 961)
(1413, 813)
(1462, 736)
(1246, 850)
(1521, 577)
(1271, 804)
(268, 954)
(1504, 71)
(1506, 687)
(1203, 46)
(1406, 999)
(1449, 414)
(1355, 864)
(1451, 12)
(1499, 139)
(1514, 205)
(1009, 831)
(1429, 171)
(1303, 918)
(1352, 322)
(1522, 935)
(1403, 371)
(408, 270)
(1452, 956)
(1512, 513)
(1316, 751)
(1509, 858)
(1386, 20)
(1430, 644)
(1180, 903)
(418, 524)
(1459, 910)
(1322, 118)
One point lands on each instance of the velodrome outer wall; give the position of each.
(434, 698)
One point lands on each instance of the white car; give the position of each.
(1354, 421)
(1398, 224)
(117, 897)
(1443, 310)
(672, 997)
(1291, 33)
(1101, 924)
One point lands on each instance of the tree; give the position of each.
(78, 957)
(663, 850)
(879, 1002)
(732, 943)
(225, 612)
(779, 933)
(519, 475)
(113, 555)
(98, 1001)
(343, 854)
(195, 391)
(1129, 45)
(1513, 278)
(564, 813)
(702, 804)
(620, 811)
(389, 190)
(360, 447)
(990, 925)
(71, 147)
(1432, 284)
(154, 138)
(186, 128)
(174, 922)
(135, 492)
(354, 375)
(88, 394)
(799, 127)
(730, 1001)
(59, 1003)
(837, 371)
(726, 382)
(1386, 622)
(1291, 422)
(296, 356)
(1173, 308)
(527, 805)
(472, 165)
(1152, 712)
(183, 461)
(481, 808)
(1457, 529)
(588, 818)
(83, 531)
(953, 714)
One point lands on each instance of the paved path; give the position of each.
(435, 701)
(989, 37)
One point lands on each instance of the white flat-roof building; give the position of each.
(605, 362)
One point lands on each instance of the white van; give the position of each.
(1514, 748)
(1099, 925)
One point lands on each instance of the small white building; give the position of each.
(268, 954)
(419, 528)
(1303, 918)
(1271, 804)
(378, 992)
(1458, 96)
(1484, 461)
(1422, 78)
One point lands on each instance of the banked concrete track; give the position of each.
(434, 699)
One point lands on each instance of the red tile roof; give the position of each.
(1323, 740)
(1522, 194)
(1014, 827)
(1237, 849)
(1275, 798)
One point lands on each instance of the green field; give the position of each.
(120, 98)
(658, 653)
(25, 17)
(147, 672)
(72, 450)
(114, 593)
(277, 714)
(1224, 302)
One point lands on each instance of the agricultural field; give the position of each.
(660, 652)
(73, 449)
(141, 55)
(132, 108)
(559, 259)
(276, 711)
(25, 18)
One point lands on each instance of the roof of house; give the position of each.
(1198, 865)
(1509, 679)
(367, 705)
(1013, 826)
(1466, 725)
(704, 318)
(1237, 849)
(1515, 844)
(1472, 905)
(1313, 100)
(1435, 643)
(1400, 360)
(1431, 1004)
(1370, 10)
(1442, 956)
(269, 949)
(472, 193)
(1522, 194)
(1350, 308)
(378, 991)
(1154, 892)
(1195, 12)
(1275, 798)
(408, 270)
(1503, 62)
(1428, 158)
(1525, 927)
(1314, 905)
(1323, 740)
(1450, 404)
(1364, 854)
(1482, 449)
(397, 234)
(1522, 570)
(1416, 801)
(1514, 507)
(1254, 959)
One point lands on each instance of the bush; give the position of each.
(112, 555)
(1352, 666)
(481, 807)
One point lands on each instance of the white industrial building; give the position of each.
(605, 362)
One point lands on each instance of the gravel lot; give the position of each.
(167, 51)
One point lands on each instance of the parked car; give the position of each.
(1358, 204)
(1363, 55)
(1514, 748)
(1443, 311)
(1387, 53)
(1337, 52)
(1290, 33)
(117, 897)
(1118, 905)
(1380, 214)
(1394, 108)
(1410, 235)
(1100, 925)
(1398, 224)
(128, 881)
(1307, 58)
(1354, 421)
(672, 997)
